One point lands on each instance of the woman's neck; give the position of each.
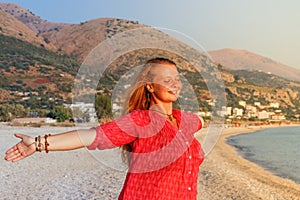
(167, 112)
(163, 109)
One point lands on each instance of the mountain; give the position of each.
(10, 26)
(39, 61)
(33, 22)
(241, 59)
(78, 40)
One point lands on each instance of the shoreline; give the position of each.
(226, 175)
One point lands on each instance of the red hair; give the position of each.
(139, 98)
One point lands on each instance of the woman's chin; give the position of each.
(174, 99)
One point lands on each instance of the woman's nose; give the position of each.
(176, 83)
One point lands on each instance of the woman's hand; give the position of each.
(21, 150)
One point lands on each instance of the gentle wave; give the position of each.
(275, 149)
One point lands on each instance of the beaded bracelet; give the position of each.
(46, 143)
(35, 142)
(40, 145)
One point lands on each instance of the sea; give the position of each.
(274, 149)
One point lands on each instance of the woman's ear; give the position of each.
(149, 87)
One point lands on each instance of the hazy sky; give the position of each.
(267, 27)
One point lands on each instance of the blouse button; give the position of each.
(187, 142)
(190, 172)
(180, 130)
(190, 157)
(189, 188)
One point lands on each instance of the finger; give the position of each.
(12, 156)
(21, 150)
(16, 151)
(15, 155)
(21, 136)
(12, 149)
(18, 158)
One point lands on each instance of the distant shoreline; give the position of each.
(254, 131)
(225, 173)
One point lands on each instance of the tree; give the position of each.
(20, 111)
(60, 113)
(5, 115)
(103, 106)
(11, 111)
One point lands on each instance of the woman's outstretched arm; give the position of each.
(59, 142)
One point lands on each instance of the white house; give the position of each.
(242, 103)
(228, 111)
(274, 105)
(238, 112)
(263, 115)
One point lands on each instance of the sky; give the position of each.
(269, 28)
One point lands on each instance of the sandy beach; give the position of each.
(225, 175)
(81, 174)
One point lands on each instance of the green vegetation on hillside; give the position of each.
(40, 81)
(21, 55)
(257, 86)
(260, 78)
(36, 72)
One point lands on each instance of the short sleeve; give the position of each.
(193, 121)
(114, 134)
(201, 123)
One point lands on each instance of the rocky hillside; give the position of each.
(257, 86)
(33, 22)
(241, 59)
(39, 60)
(29, 72)
(10, 26)
(78, 40)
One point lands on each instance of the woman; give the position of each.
(162, 153)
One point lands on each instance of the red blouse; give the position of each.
(164, 161)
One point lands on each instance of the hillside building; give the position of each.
(88, 109)
(237, 112)
(242, 103)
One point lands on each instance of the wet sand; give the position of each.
(225, 175)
